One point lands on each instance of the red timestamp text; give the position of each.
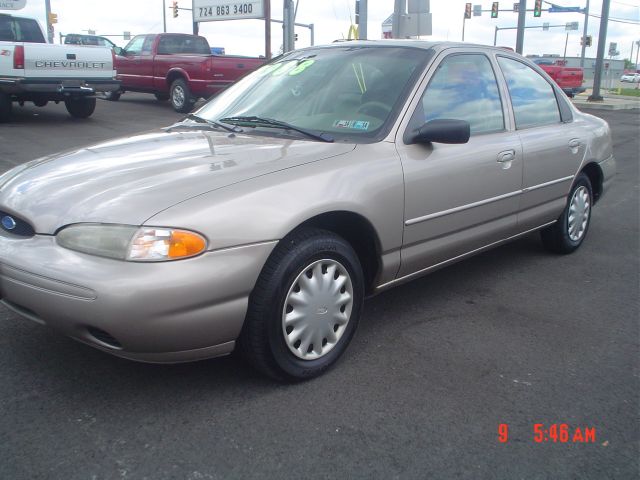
(553, 433)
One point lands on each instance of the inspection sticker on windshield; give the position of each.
(353, 124)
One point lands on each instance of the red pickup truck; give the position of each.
(569, 79)
(176, 67)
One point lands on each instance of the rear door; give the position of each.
(553, 145)
(459, 198)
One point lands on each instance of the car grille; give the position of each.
(15, 225)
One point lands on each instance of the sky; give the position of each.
(332, 19)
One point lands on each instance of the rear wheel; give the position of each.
(181, 99)
(305, 307)
(568, 233)
(80, 107)
(5, 107)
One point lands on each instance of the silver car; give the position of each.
(261, 221)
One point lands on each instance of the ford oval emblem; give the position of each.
(8, 222)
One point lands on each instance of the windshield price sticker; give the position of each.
(215, 10)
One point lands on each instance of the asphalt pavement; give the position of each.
(514, 336)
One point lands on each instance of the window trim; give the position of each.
(553, 89)
(432, 73)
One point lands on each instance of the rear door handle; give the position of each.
(506, 156)
(574, 143)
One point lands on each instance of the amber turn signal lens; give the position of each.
(185, 244)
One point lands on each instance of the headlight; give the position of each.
(126, 242)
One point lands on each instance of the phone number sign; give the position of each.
(215, 10)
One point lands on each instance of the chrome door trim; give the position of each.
(442, 213)
(548, 184)
(426, 270)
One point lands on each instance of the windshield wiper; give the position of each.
(212, 123)
(272, 122)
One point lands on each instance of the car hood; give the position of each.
(131, 179)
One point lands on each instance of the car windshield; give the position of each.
(349, 93)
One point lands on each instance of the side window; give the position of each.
(134, 47)
(533, 99)
(464, 87)
(146, 47)
(169, 45)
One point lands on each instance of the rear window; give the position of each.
(20, 30)
(181, 44)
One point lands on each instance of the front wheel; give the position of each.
(112, 96)
(181, 99)
(80, 107)
(568, 233)
(305, 307)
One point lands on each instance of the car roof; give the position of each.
(410, 43)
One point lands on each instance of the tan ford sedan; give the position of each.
(261, 221)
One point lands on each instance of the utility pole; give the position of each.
(362, 28)
(288, 26)
(267, 29)
(584, 34)
(164, 16)
(47, 4)
(602, 40)
(399, 9)
(522, 13)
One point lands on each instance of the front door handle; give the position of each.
(506, 156)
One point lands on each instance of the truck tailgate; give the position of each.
(67, 61)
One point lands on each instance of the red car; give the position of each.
(177, 67)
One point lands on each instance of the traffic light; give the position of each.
(53, 18)
(175, 9)
(537, 8)
(589, 40)
(467, 10)
(295, 37)
(494, 10)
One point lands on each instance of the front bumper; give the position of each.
(57, 88)
(163, 312)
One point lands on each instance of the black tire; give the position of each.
(112, 96)
(262, 340)
(162, 97)
(80, 107)
(557, 238)
(5, 107)
(40, 102)
(181, 99)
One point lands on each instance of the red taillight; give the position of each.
(18, 57)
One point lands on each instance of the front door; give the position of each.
(459, 198)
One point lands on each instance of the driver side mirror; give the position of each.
(441, 130)
(121, 52)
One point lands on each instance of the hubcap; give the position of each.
(317, 309)
(579, 211)
(178, 96)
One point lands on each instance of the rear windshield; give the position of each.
(180, 44)
(20, 30)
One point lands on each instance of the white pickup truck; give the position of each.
(33, 71)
